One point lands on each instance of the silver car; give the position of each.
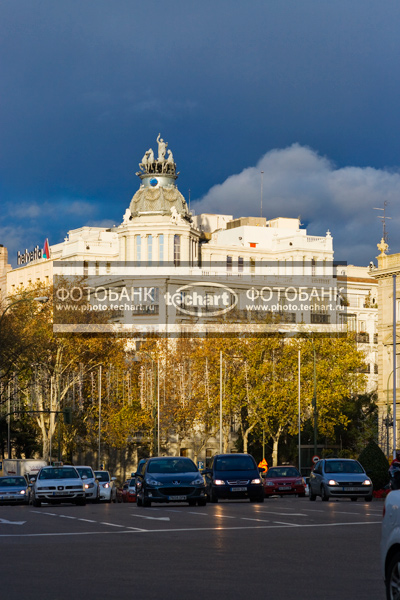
(58, 484)
(14, 489)
(339, 478)
(92, 486)
(390, 544)
(108, 491)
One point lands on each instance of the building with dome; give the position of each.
(185, 270)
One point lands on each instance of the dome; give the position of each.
(158, 193)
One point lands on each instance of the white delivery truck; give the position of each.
(23, 466)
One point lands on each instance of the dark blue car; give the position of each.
(233, 476)
(170, 479)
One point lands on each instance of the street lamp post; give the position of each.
(314, 400)
(156, 403)
(42, 300)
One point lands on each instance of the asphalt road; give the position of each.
(284, 548)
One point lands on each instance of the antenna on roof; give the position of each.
(262, 177)
(383, 218)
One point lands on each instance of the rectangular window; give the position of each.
(138, 247)
(97, 268)
(240, 264)
(108, 267)
(252, 265)
(85, 268)
(229, 263)
(313, 267)
(149, 249)
(177, 250)
(161, 247)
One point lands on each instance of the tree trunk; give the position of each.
(275, 446)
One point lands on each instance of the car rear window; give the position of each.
(343, 466)
(234, 463)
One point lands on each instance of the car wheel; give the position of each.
(36, 503)
(202, 502)
(368, 498)
(354, 499)
(214, 497)
(324, 495)
(146, 502)
(393, 577)
(311, 496)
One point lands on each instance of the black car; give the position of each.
(170, 479)
(233, 476)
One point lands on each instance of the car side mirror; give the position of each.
(206, 472)
(84, 477)
(113, 479)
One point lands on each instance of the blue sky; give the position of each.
(306, 91)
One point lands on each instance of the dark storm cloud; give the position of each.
(88, 86)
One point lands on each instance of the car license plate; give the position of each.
(59, 493)
(239, 489)
(284, 487)
(352, 489)
(177, 497)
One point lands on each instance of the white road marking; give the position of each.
(270, 512)
(183, 530)
(288, 524)
(5, 522)
(67, 517)
(87, 520)
(152, 518)
(111, 524)
(261, 520)
(197, 513)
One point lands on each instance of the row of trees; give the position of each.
(106, 386)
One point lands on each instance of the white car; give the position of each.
(58, 484)
(92, 486)
(390, 544)
(108, 491)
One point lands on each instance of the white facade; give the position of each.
(362, 315)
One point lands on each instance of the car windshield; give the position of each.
(343, 466)
(172, 465)
(283, 472)
(102, 475)
(56, 473)
(13, 482)
(234, 463)
(85, 471)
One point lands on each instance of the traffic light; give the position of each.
(67, 413)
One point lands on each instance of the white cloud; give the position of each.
(298, 181)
